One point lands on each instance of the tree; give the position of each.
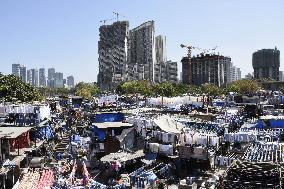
(193, 89)
(211, 89)
(165, 89)
(62, 91)
(13, 88)
(181, 89)
(86, 90)
(244, 86)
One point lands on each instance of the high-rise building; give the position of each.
(160, 47)
(142, 54)
(70, 82)
(266, 63)
(16, 69)
(20, 71)
(58, 80)
(112, 49)
(209, 69)
(35, 80)
(23, 73)
(50, 77)
(228, 72)
(42, 77)
(166, 71)
(239, 74)
(281, 76)
(29, 77)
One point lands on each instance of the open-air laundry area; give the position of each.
(113, 142)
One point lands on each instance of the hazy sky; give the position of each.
(64, 33)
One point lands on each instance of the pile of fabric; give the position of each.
(29, 180)
(46, 180)
(166, 149)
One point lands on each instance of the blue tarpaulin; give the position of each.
(76, 139)
(219, 103)
(109, 117)
(99, 133)
(41, 131)
(276, 123)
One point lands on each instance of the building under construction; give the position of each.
(205, 68)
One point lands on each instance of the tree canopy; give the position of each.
(12, 88)
(244, 86)
(86, 90)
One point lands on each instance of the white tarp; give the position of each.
(168, 124)
(175, 101)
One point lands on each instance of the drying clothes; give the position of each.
(143, 133)
(154, 147)
(166, 149)
(198, 150)
(185, 152)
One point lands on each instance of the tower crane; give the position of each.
(208, 50)
(104, 21)
(117, 14)
(188, 65)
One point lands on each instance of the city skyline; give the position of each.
(42, 77)
(65, 35)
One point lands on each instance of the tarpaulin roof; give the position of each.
(169, 125)
(106, 125)
(122, 156)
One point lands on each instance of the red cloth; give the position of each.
(22, 141)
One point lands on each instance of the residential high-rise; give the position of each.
(16, 69)
(228, 67)
(70, 82)
(50, 77)
(112, 49)
(29, 77)
(239, 74)
(281, 76)
(23, 73)
(142, 52)
(166, 71)
(160, 48)
(266, 63)
(42, 77)
(58, 80)
(35, 80)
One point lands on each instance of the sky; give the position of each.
(64, 34)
